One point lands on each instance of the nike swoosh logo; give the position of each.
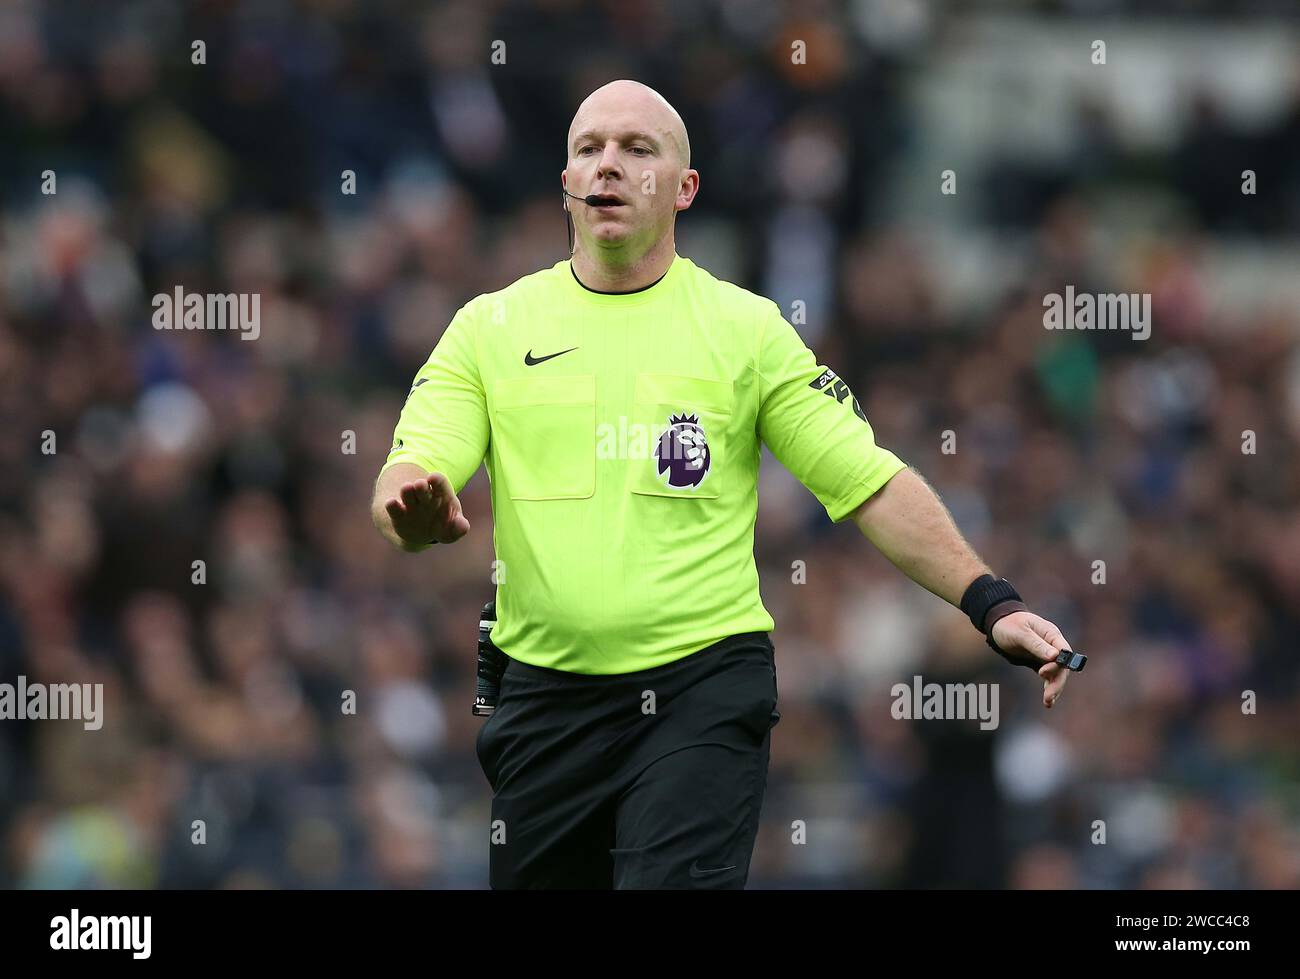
(530, 360)
(697, 871)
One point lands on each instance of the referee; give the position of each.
(620, 400)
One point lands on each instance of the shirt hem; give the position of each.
(885, 471)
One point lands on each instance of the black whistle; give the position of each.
(1072, 659)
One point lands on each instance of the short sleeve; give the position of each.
(814, 425)
(444, 423)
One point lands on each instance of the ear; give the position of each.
(687, 189)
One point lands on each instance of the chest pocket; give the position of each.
(687, 420)
(544, 433)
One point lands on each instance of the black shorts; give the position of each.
(652, 779)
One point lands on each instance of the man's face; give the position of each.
(622, 147)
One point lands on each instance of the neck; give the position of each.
(608, 272)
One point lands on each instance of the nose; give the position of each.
(608, 166)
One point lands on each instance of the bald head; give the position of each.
(621, 102)
(628, 163)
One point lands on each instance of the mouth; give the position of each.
(608, 200)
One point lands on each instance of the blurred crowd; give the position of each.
(184, 514)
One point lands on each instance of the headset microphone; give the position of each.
(592, 200)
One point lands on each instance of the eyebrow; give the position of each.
(623, 137)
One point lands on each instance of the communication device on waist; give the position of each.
(491, 664)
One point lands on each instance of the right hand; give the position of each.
(427, 510)
(1030, 640)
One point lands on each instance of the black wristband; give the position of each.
(982, 594)
(986, 600)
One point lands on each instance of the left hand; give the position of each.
(1026, 637)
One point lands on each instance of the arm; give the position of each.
(816, 427)
(908, 523)
(439, 442)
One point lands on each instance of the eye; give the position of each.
(640, 150)
(582, 150)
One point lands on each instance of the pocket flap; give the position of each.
(671, 389)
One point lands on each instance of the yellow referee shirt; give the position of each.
(622, 433)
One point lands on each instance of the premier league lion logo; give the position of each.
(683, 452)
